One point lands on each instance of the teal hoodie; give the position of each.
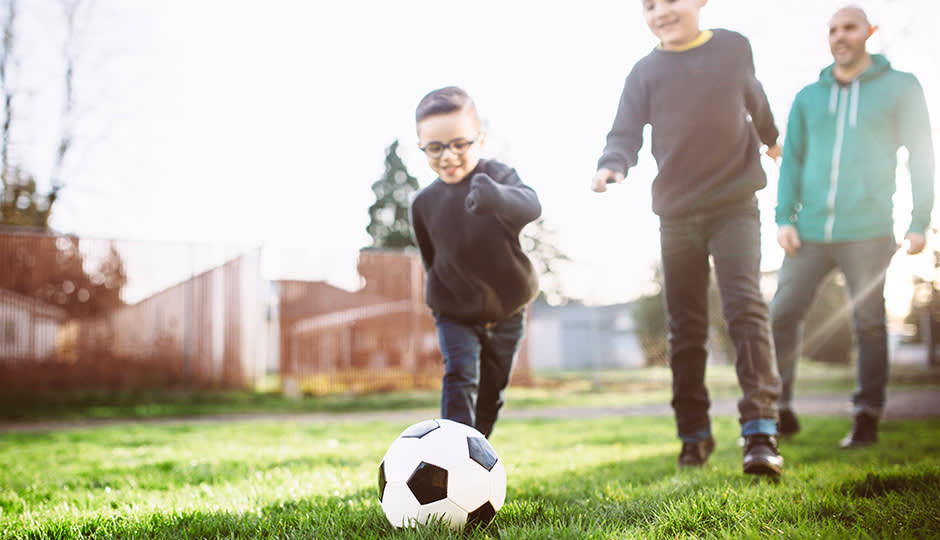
(837, 177)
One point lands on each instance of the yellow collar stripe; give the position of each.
(697, 42)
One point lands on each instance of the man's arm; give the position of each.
(914, 130)
(791, 169)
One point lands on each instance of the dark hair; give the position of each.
(443, 101)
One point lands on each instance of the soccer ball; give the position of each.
(440, 469)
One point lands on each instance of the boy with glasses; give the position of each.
(709, 116)
(466, 224)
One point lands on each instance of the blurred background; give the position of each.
(208, 193)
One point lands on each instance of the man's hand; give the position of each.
(603, 177)
(789, 239)
(774, 152)
(916, 243)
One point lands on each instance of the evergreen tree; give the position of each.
(389, 222)
(21, 205)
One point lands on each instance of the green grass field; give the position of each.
(296, 478)
(598, 478)
(574, 389)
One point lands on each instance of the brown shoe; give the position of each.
(787, 424)
(696, 454)
(761, 456)
(864, 432)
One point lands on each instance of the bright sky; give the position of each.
(265, 123)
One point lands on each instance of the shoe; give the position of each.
(761, 456)
(864, 432)
(787, 424)
(695, 454)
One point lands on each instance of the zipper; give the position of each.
(843, 94)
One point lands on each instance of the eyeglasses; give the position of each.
(457, 146)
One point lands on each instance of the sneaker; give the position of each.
(864, 432)
(787, 424)
(695, 454)
(761, 456)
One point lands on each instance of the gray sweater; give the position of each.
(468, 236)
(709, 114)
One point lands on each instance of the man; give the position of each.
(834, 206)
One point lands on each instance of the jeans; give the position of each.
(863, 263)
(731, 236)
(478, 360)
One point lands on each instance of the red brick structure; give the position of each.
(381, 337)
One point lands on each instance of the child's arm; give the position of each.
(513, 202)
(625, 137)
(755, 99)
(420, 234)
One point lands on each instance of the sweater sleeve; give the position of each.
(791, 168)
(513, 202)
(914, 130)
(626, 135)
(755, 100)
(420, 234)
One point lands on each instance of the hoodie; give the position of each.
(837, 177)
(468, 237)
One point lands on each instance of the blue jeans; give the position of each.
(478, 360)
(731, 237)
(863, 263)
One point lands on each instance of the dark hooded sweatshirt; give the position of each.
(709, 115)
(468, 236)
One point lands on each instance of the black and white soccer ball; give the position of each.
(440, 469)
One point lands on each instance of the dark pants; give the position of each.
(731, 236)
(478, 359)
(863, 263)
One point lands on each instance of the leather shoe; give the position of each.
(787, 423)
(695, 454)
(761, 456)
(864, 432)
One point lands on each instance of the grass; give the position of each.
(571, 389)
(567, 479)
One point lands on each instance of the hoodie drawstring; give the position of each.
(853, 112)
(833, 98)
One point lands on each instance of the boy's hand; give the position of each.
(789, 239)
(774, 152)
(483, 197)
(915, 243)
(603, 177)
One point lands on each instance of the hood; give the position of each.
(879, 65)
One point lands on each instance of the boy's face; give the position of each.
(849, 29)
(455, 130)
(674, 22)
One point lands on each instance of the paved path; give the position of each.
(908, 404)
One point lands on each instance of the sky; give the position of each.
(245, 124)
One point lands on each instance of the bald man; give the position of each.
(834, 206)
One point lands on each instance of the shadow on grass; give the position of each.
(356, 516)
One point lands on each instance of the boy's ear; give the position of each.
(482, 137)
(871, 30)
